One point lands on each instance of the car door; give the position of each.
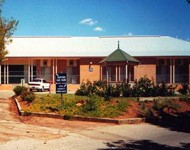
(46, 84)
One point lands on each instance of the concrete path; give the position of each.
(17, 135)
(5, 94)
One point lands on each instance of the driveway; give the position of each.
(41, 133)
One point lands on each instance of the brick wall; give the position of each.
(142, 70)
(146, 67)
(85, 73)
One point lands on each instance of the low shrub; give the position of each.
(100, 84)
(92, 107)
(159, 108)
(184, 90)
(185, 99)
(97, 107)
(145, 111)
(28, 96)
(86, 89)
(92, 104)
(116, 90)
(126, 90)
(148, 113)
(100, 87)
(155, 91)
(112, 91)
(144, 87)
(82, 90)
(164, 90)
(107, 93)
(19, 89)
(162, 104)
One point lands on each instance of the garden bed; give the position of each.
(118, 120)
(115, 108)
(80, 105)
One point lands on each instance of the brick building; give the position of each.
(162, 58)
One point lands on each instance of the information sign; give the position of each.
(61, 83)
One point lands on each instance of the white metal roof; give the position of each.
(97, 46)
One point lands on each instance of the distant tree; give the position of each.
(188, 1)
(7, 27)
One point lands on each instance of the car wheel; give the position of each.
(42, 89)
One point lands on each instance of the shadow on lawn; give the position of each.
(143, 145)
(180, 122)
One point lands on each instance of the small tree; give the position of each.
(7, 27)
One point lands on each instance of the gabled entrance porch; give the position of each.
(118, 67)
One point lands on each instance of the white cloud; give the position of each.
(88, 21)
(98, 29)
(91, 22)
(130, 34)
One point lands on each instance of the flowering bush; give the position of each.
(144, 87)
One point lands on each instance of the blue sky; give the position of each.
(100, 17)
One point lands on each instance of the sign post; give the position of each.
(61, 85)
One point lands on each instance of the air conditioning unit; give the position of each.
(72, 63)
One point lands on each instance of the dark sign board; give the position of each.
(61, 83)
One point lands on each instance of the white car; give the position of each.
(39, 84)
